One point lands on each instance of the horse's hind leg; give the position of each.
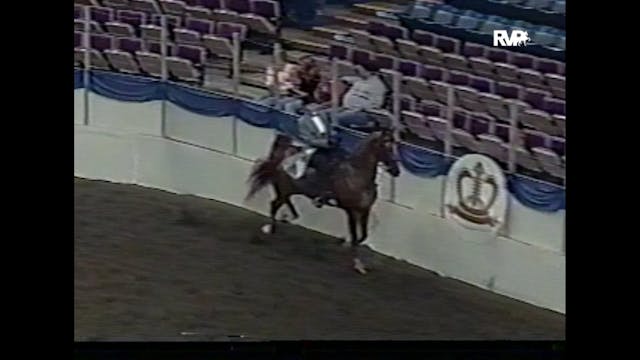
(275, 206)
(292, 208)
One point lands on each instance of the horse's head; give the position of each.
(383, 143)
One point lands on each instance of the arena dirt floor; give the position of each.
(152, 265)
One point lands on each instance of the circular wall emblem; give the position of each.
(476, 193)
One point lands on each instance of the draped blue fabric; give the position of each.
(200, 102)
(78, 79)
(422, 162)
(125, 87)
(256, 115)
(537, 195)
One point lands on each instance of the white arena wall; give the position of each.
(123, 143)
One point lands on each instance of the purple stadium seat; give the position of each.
(78, 11)
(200, 25)
(226, 29)
(173, 7)
(197, 12)
(186, 36)
(394, 32)
(438, 126)
(555, 81)
(460, 119)
(561, 123)
(77, 39)
(418, 88)
(431, 108)
(376, 28)
(549, 161)
(547, 66)
(558, 145)
(151, 32)
(130, 45)
(408, 67)
(424, 38)
(120, 29)
(458, 78)
(473, 50)
(455, 61)
(173, 21)
(498, 55)
(383, 61)
(523, 61)
(195, 54)
(539, 120)
(409, 50)
(554, 106)
(535, 97)
(362, 39)
(441, 90)
(156, 47)
(122, 61)
(535, 138)
(383, 44)
(467, 97)
(133, 18)
(148, 6)
(101, 42)
(361, 57)
(447, 44)
(496, 106)
(101, 14)
(430, 55)
(502, 131)
(183, 69)
(340, 51)
(506, 72)
(433, 73)
(494, 147)
(482, 66)
(116, 4)
(508, 90)
(525, 159)
(463, 138)
(240, 6)
(531, 78)
(97, 59)
(211, 4)
(218, 46)
(479, 126)
(482, 84)
(150, 63)
(267, 8)
(416, 123)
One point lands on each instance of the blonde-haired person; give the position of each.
(285, 93)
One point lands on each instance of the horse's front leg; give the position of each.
(353, 230)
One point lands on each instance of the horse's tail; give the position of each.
(265, 171)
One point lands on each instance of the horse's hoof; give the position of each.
(359, 267)
(267, 229)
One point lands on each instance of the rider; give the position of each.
(316, 131)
